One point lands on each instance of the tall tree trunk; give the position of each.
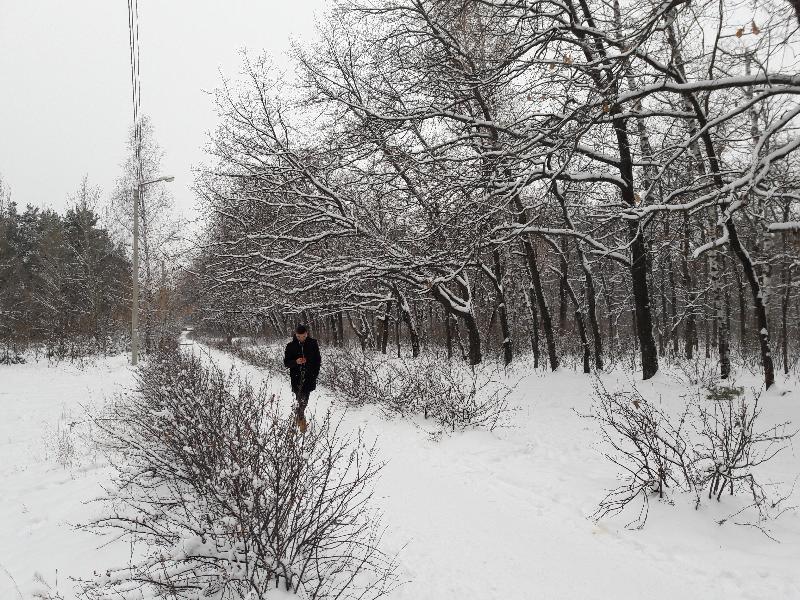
(722, 303)
(690, 331)
(533, 271)
(530, 301)
(591, 302)
(409, 320)
(743, 312)
(591, 307)
(581, 327)
(340, 327)
(641, 294)
(385, 326)
(463, 310)
(730, 226)
(449, 333)
(544, 311)
(673, 307)
(562, 287)
(663, 334)
(637, 242)
(505, 332)
(787, 282)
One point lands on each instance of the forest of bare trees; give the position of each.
(592, 179)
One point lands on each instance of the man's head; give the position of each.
(301, 333)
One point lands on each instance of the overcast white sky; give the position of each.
(65, 92)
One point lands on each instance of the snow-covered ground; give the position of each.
(477, 515)
(48, 472)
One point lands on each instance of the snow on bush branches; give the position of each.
(454, 394)
(222, 499)
(713, 445)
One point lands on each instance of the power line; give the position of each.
(133, 38)
(136, 85)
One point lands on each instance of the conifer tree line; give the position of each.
(66, 279)
(590, 178)
(63, 279)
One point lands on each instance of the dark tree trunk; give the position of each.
(562, 287)
(638, 246)
(541, 303)
(385, 326)
(505, 332)
(786, 280)
(533, 271)
(587, 354)
(408, 319)
(544, 311)
(723, 341)
(644, 323)
(340, 327)
(784, 320)
(449, 333)
(674, 309)
(591, 305)
(742, 313)
(758, 301)
(474, 355)
(530, 301)
(663, 335)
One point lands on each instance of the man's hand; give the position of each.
(301, 360)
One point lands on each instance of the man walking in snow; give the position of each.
(303, 360)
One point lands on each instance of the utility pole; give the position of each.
(137, 192)
(135, 308)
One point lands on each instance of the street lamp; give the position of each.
(135, 310)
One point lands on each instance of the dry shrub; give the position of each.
(224, 499)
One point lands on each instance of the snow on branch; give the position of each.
(721, 241)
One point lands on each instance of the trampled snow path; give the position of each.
(477, 515)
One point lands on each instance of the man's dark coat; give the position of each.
(308, 372)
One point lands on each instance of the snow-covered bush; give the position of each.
(453, 393)
(714, 443)
(702, 371)
(732, 446)
(226, 500)
(10, 356)
(82, 348)
(267, 357)
(652, 452)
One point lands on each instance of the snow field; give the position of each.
(476, 515)
(49, 471)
